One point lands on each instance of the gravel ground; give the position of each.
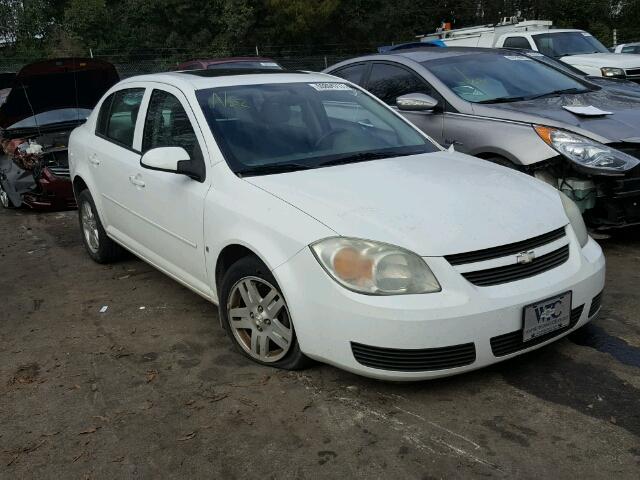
(152, 388)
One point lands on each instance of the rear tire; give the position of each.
(255, 315)
(5, 201)
(96, 242)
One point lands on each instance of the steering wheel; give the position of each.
(330, 134)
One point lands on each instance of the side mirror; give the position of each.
(416, 102)
(172, 160)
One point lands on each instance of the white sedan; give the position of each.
(326, 226)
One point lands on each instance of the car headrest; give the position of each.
(276, 111)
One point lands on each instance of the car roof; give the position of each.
(223, 60)
(200, 79)
(230, 60)
(426, 54)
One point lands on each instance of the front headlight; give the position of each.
(611, 72)
(586, 152)
(374, 268)
(575, 218)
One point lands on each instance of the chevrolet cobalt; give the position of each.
(327, 227)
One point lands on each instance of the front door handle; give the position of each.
(137, 181)
(93, 159)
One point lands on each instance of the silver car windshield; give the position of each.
(273, 128)
(501, 77)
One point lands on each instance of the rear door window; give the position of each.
(388, 82)
(353, 73)
(103, 116)
(119, 124)
(517, 42)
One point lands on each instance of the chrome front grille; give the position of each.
(511, 273)
(516, 268)
(633, 72)
(60, 172)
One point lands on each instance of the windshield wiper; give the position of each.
(272, 169)
(344, 159)
(560, 92)
(502, 100)
(363, 157)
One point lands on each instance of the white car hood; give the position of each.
(600, 60)
(432, 204)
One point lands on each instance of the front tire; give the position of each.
(96, 242)
(256, 317)
(505, 162)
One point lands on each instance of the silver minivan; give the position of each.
(509, 108)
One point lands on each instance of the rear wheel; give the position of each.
(96, 242)
(5, 201)
(256, 316)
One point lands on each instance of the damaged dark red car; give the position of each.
(47, 100)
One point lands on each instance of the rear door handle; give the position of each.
(135, 180)
(93, 159)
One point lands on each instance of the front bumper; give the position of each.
(617, 203)
(52, 192)
(332, 322)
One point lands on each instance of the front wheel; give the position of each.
(256, 316)
(96, 242)
(505, 162)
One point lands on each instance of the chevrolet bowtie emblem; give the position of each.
(525, 257)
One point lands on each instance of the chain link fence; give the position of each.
(130, 64)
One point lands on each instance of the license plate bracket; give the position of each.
(546, 316)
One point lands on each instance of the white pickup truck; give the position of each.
(577, 48)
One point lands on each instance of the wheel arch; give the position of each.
(229, 255)
(79, 185)
(498, 153)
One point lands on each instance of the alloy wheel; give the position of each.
(259, 319)
(4, 198)
(90, 227)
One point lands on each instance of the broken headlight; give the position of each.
(586, 152)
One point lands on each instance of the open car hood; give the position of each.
(56, 84)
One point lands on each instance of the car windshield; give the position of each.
(61, 115)
(264, 65)
(501, 77)
(272, 128)
(562, 44)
